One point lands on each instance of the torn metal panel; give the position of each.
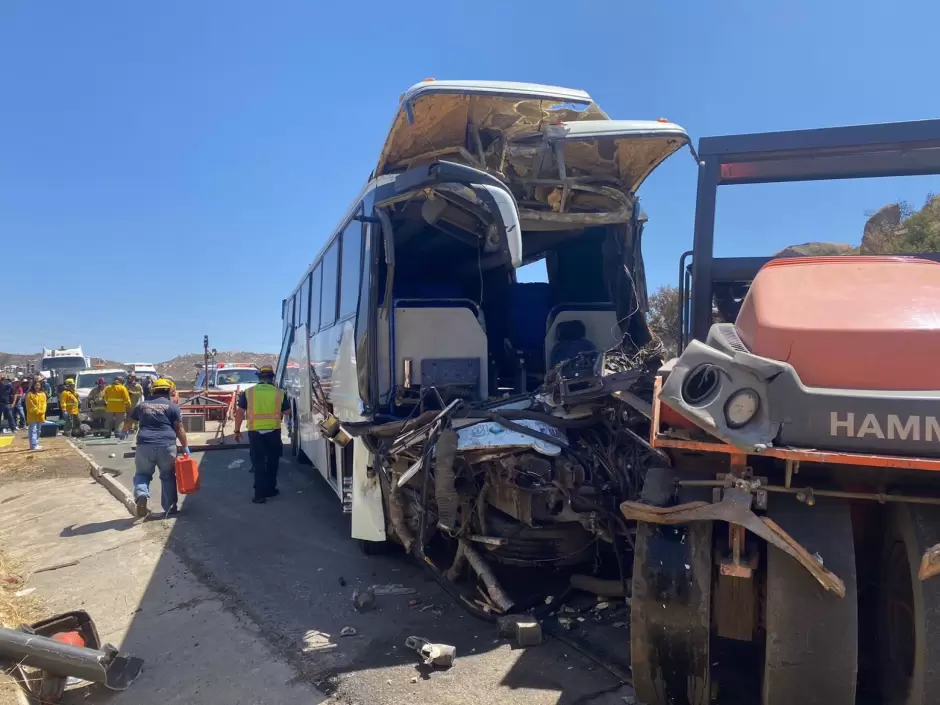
(490, 439)
(735, 508)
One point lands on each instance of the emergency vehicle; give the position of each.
(228, 376)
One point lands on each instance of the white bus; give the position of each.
(416, 287)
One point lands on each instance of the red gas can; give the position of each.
(187, 475)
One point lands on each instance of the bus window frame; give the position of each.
(357, 220)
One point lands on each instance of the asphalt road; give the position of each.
(289, 568)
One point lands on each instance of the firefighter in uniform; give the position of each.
(264, 406)
(117, 401)
(97, 404)
(136, 393)
(68, 402)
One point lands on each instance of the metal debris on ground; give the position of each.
(363, 600)
(438, 655)
(348, 631)
(394, 589)
(63, 646)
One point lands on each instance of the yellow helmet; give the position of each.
(161, 383)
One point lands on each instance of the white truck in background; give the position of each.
(57, 366)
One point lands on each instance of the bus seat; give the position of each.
(436, 330)
(601, 328)
(529, 304)
(570, 340)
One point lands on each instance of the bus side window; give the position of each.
(315, 300)
(304, 307)
(352, 263)
(328, 293)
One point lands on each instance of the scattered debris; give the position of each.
(342, 581)
(24, 593)
(438, 655)
(414, 679)
(364, 601)
(55, 566)
(528, 633)
(50, 646)
(414, 603)
(619, 625)
(566, 623)
(394, 589)
(112, 455)
(549, 599)
(236, 464)
(629, 699)
(602, 605)
(348, 631)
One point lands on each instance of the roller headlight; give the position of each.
(741, 407)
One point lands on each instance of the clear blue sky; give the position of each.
(157, 154)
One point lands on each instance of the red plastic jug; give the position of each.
(187, 475)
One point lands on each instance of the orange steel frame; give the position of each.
(805, 455)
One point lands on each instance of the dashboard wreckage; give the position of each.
(764, 505)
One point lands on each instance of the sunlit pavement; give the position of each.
(289, 568)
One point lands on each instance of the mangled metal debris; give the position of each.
(44, 656)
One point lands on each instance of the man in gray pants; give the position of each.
(161, 425)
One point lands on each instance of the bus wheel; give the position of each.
(670, 614)
(811, 651)
(909, 609)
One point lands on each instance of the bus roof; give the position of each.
(527, 132)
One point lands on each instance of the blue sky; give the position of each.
(153, 155)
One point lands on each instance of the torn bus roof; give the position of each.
(565, 161)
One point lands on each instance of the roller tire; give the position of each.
(909, 610)
(811, 651)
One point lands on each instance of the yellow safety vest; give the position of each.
(264, 407)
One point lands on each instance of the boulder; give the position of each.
(816, 249)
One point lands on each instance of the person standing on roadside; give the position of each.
(136, 393)
(265, 406)
(161, 425)
(7, 394)
(36, 400)
(117, 401)
(20, 389)
(68, 402)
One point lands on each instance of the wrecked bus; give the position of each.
(443, 400)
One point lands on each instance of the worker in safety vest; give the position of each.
(68, 402)
(118, 401)
(97, 404)
(264, 405)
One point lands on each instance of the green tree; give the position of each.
(663, 317)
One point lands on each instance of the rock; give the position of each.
(364, 601)
(528, 633)
(816, 249)
(886, 218)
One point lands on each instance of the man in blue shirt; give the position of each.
(161, 425)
